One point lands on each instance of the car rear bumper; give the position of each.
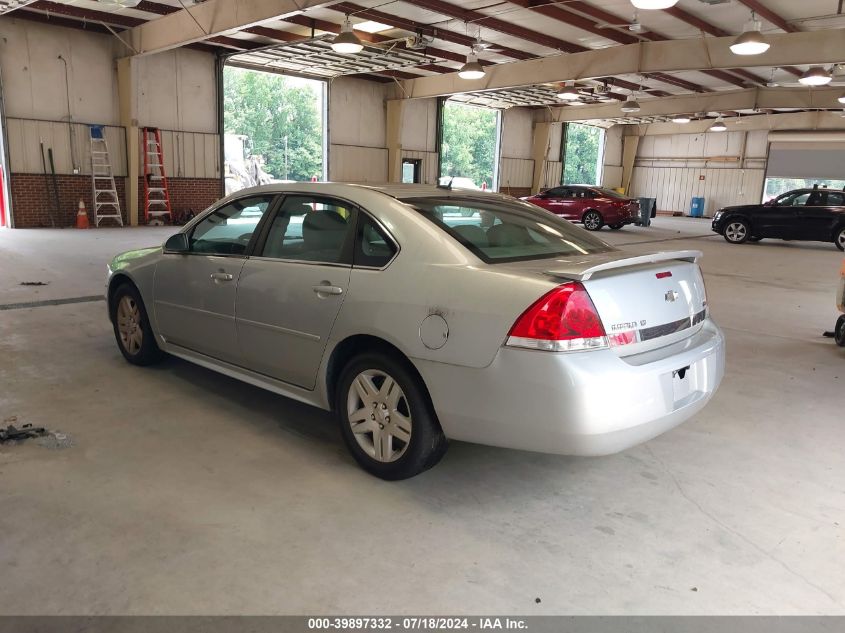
(588, 403)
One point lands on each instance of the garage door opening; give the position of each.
(582, 154)
(275, 128)
(799, 160)
(469, 146)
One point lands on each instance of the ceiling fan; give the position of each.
(480, 46)
(635, 26)
(418, 42)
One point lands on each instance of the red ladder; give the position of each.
(156, 192)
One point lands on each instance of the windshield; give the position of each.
(498, 231)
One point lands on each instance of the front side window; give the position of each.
(312, 229)
(498, 231)
(228, 229)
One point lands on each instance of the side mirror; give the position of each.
(177, 244)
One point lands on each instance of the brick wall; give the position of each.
(33, 199)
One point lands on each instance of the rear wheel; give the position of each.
(737, 231)
(386, 418)
(132, 327)
(592, 220)
(839, 331)
(839, 238)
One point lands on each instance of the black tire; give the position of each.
(736, 231)
(839, 331)
(592, 220)
(426, 443)
(616, 227)
(839, 238)
(134, 339)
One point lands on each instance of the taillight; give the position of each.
(563, 320)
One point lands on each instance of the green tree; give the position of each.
(468, 146)
(581, 159)
(266, 108)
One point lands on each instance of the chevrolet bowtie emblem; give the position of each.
(670, 296)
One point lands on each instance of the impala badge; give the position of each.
(670, 296)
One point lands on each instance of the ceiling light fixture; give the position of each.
(631, 105)
(816, 76)
(568, 92)
(472, 69)
(842, 99)
(719, 125)
(681, 119)
(751, 41)
(347, 42)
(654, 4)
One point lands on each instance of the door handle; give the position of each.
(327, 290)
(221, 276)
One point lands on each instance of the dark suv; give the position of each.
(816, 214)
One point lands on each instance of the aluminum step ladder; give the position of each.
(156, 193)
(103, 190)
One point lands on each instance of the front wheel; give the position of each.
(132, 329)
(839, 238)
(592, 220)
(386, 418)
(737, 231)
(839, 331)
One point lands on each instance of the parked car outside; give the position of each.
(594, 207)
(419, 315)
(816, 214)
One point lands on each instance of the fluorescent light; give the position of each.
(654, 4)
(568, 93)
(816, 76)
(719, 125)
(472, 69)
(681, 119)
(347, 41)
(751, 42)
(631, 105)
(372, 27)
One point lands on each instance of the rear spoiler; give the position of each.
(626, 262)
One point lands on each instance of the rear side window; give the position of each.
(500, 231)
(835, 199)
(373, 249)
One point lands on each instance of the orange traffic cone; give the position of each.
(82, 216)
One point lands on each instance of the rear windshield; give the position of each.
(610, 193)
(498, 231)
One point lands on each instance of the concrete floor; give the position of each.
(187, 492)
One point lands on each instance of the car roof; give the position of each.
(394, 190)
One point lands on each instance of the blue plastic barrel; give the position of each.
(696, 209)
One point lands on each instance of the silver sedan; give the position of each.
(422, 314)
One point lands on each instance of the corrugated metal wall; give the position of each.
(190, 154)
(357, 164)
(515, 172)
(674, 187)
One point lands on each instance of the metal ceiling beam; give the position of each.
(770, 15)
(723, 102)
(819, 47)
(464, 40)
(212, 18)
(749, 123)
(715, 31)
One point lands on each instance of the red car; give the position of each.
(593, 206)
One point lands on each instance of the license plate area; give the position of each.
(682, 383)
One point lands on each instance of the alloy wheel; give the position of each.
(840, 240)
(129, 325)
(379, 415)
(736, 232)
(592, 221)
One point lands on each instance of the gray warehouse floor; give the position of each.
(186, 492)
